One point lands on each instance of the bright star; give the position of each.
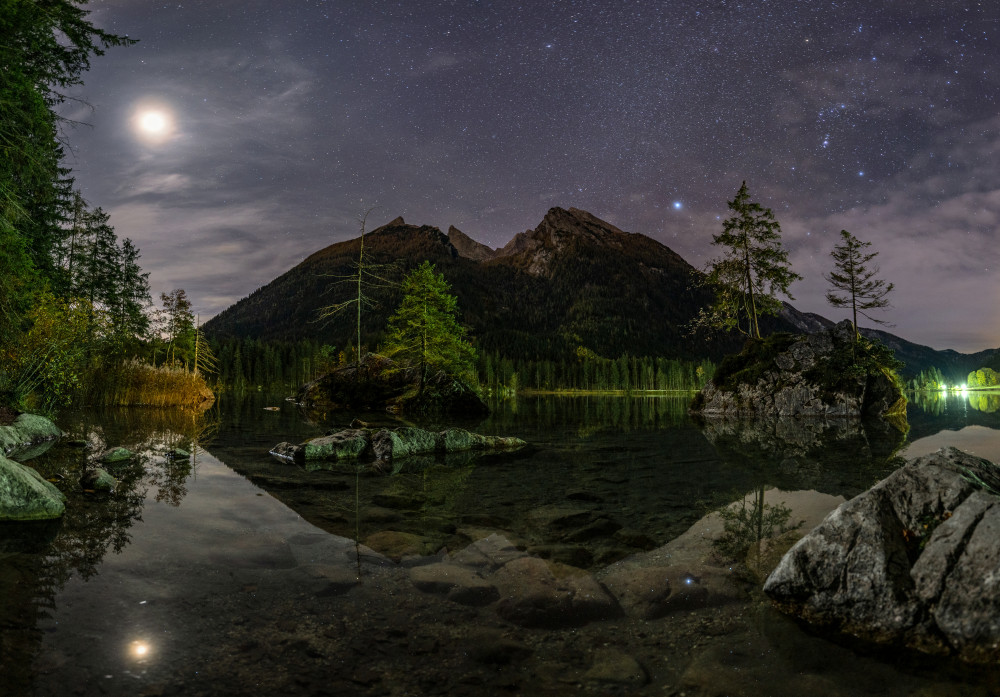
(677, 205)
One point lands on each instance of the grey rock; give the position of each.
(288, 451)
(25, 495)
(27, 431)
(915, 560)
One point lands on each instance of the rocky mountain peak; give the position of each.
(559, 229)
(468, 247)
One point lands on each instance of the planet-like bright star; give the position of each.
(678, 205)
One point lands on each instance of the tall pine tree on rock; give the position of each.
(753, 268)
(424, 331)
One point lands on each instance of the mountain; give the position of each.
(573, 281)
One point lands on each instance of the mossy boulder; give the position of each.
(343, 445)
(98, 479)
(25, 495)
(827, 373)
(26, 432)
(385, 445)
(378, 383)
(114, 456)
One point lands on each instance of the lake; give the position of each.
(231, 572)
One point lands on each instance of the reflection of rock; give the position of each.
(378, 382)
(911, 561)
(26, 431)
(387, 445)
(786, 375)
(839, 456)
(25, 495)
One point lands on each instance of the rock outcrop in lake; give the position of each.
(385, 445)
(380, 383)
(914, 561)
(820, 374)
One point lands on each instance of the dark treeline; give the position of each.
(586, 371)
(253, 363)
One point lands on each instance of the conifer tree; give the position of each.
(753, 268)
(424, 331)
(856, 279)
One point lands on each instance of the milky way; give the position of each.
(290, 118)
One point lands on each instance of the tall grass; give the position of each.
(134, 383)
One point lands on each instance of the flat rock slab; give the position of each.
(915, 560)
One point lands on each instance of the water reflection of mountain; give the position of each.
(842, 457)
(931, 412)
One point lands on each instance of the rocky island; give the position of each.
(830, 373)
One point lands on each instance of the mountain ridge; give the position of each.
(573, 281)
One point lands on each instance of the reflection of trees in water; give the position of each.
(986, 402)
(590, 414)
(38, 559)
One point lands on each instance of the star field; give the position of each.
(290, 118)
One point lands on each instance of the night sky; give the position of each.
(239, 136)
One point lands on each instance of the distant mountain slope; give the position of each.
(573, 281)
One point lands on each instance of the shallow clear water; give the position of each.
(234, 573)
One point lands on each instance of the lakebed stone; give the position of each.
(98, 479)
(25, 495)
(913, 561)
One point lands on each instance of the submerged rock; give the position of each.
(913, 561)
(113, 456)
(98, 480)
(791, 375)
(26, 432)
(25, 495)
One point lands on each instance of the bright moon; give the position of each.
(153, 123)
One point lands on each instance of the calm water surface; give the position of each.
(230, 572)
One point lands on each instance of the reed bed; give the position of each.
(134, 383)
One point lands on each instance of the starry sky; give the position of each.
(239, 136)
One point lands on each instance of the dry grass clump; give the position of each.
(134, 383)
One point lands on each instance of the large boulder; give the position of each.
(25, 495)
(379, 383)
(25, 433)
(800, 375)
(913, 561)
